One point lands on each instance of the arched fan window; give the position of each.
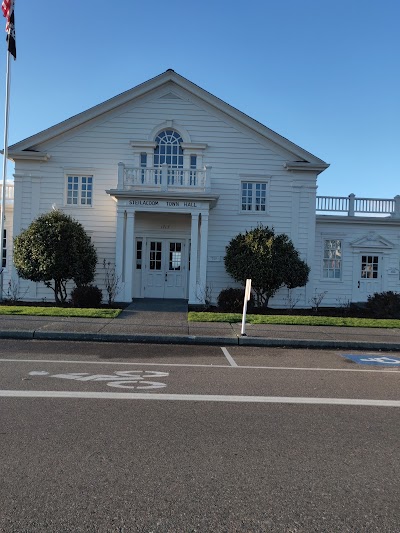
(168, 149)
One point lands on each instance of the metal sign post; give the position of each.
(247, 295)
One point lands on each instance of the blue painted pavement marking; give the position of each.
(382, 360)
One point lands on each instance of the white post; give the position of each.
(121, 171)
(207, 185)
(129, 251)
(396, 213)
(247, 295)
(119, 247)
(194, 244)
(5, 155)
(203, 254)
(164, 177)
(351, 205)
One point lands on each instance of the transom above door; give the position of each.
(165, 269)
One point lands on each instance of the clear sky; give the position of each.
(324, 74)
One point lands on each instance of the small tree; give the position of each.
(270, 261)
(111, 281)
(55, 249)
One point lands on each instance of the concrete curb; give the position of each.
(199, 340)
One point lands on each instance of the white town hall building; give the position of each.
(163, 176)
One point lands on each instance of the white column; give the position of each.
(203, 255)
(119, 248)
(129, 251)
(194, 235)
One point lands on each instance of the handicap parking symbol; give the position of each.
(382, 360)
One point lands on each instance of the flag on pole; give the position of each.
(8, 11)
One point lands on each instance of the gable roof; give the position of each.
(300, 155)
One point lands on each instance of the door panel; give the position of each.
(368, 276)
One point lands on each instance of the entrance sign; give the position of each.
(247, 295)
(164, 203)
(124, 379)
(373, 360)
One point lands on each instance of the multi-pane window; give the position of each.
(169, 151)
(139, 251)
(332, 261)
(369, 266)
(254, 196)
(175, 255)
(155, 255)
(79, 190)
(4, 250)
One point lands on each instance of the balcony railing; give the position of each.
(352, 205)
(163, 178)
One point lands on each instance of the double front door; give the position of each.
(166, 269)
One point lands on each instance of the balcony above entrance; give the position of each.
(164, 179)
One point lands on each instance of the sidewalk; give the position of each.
(166, 323)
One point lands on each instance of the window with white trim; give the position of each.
(332, 261)
(253, 196)
(79, 190)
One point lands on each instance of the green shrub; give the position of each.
(384, 305)
(231, 300)
(86, 296)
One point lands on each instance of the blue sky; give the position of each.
(326, 75)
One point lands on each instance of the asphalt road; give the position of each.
(120, 438)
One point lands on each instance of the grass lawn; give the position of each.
(58, 311)
(295, 320)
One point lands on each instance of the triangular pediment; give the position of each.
(170, 96)
(372, 241)
(175, 86)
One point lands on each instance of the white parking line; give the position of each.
(229, 357)
(198, 398)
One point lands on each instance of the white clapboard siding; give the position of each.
(233, 151)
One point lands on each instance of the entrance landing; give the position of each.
(155, 315)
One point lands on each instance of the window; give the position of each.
(155, 255)
(175, 255)
(139, 249)
(169, 151)
(79, 190)
(369, 266)
(332, 266)
(4, 250)
(254, 196)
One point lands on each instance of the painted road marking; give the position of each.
(373, 360)
(197, 398)
(191, 365)
(123, 379)
(229, 357)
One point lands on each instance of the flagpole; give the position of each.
(5, 156)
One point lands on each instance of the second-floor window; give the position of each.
(79, 190)
(168, 149)
(253, 196)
